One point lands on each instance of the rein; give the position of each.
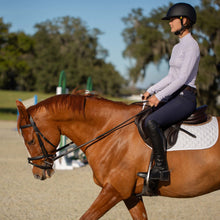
(50, 158)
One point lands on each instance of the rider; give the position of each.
(174, 97)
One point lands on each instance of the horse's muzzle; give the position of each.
(42, 174)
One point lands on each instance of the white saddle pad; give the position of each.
(206, 136)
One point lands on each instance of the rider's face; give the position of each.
(175, 24)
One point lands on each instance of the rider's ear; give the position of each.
(23, 115)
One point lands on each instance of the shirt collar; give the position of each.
(185, 37)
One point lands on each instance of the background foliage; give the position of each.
(33, 62)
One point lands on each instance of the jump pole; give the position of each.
(61, 164)
(89, 85)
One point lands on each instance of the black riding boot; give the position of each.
(160, 170)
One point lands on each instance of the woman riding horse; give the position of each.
(174, 97)
(116, 158)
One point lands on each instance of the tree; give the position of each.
(67, 44)
(15, 59)
(208, 34)
(146, 41)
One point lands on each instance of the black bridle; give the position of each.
(50, 158)
(47, 157)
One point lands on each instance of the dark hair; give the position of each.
(188, 23)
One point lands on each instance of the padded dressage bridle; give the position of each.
(47, 157)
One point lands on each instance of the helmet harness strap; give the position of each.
(182, 29)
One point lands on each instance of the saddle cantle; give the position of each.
(197, 117)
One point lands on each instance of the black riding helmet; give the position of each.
(181, 10)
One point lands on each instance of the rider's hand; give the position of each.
(145, 95)
(153, 101)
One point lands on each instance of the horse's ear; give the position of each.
(21, 109)
(23, 115)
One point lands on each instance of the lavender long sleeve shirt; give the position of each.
(184, 64)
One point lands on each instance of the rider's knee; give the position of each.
(150, 125)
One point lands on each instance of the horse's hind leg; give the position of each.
(107, 198)
(136, 207)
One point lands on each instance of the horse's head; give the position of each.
(36, 133)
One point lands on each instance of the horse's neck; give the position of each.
(96, 118)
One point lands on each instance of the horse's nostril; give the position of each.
(37, 176)
(50, 172)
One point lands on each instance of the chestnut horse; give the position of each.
(116, 158)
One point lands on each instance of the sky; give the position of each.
(105, 15)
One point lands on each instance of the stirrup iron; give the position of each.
(147, 190)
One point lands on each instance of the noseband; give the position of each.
(47, 157)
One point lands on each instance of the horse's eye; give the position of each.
(31, 142)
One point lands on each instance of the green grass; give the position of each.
(8, 110)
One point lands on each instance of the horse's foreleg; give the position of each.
(136, 207)
(107, 198)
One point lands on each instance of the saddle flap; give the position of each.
(139, 123)
(171, 134)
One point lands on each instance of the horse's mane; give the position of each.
(58, 102)
(75, 101)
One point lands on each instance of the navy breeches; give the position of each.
(175, 110)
